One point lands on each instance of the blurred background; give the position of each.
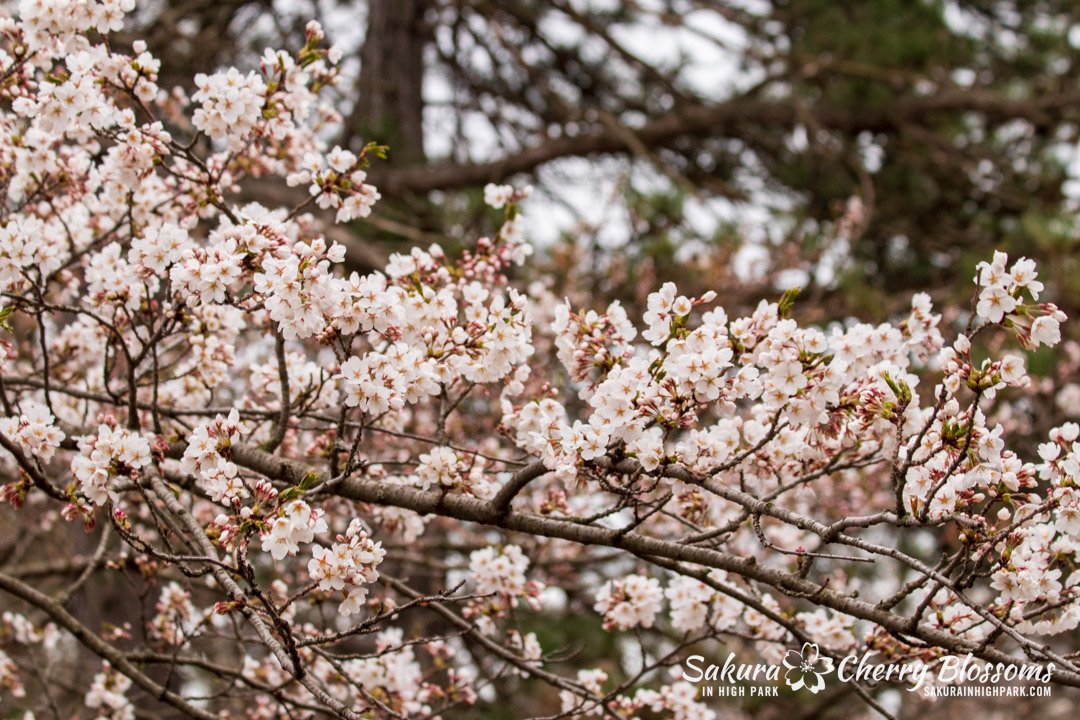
(860, 150)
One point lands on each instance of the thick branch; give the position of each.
(470, 509)
(718, 121)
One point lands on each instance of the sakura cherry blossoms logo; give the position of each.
(807, 668)
(803, 669)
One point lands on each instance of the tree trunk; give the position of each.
(389, 102)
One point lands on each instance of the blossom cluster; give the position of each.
(1001, 297)
(348, 566)
(499, 196)
(295, 523)
(47, 20)
(111, 453)
(633, 601)
(294, 286)
(23, 255)
(227, 103)
(382, 381)
(34, 431)
(337, 181)
(176, 619)
(590, 344)
(1037, 558)
(396, 671)
(205, 458)
(689, 600)
(444, 467)
(10, 684)
(108, 695)
(501, 574)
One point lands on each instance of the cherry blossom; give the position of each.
(103, 457)
(294, 524)
(347, 566)
(631, 602)
(107, 696)
(361, 492)
(34, 431)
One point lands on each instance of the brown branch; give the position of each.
(470, 509)
(98, 646)
(718, 121)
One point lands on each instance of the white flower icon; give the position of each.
(807, 668)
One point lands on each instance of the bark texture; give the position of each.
(389, 91)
